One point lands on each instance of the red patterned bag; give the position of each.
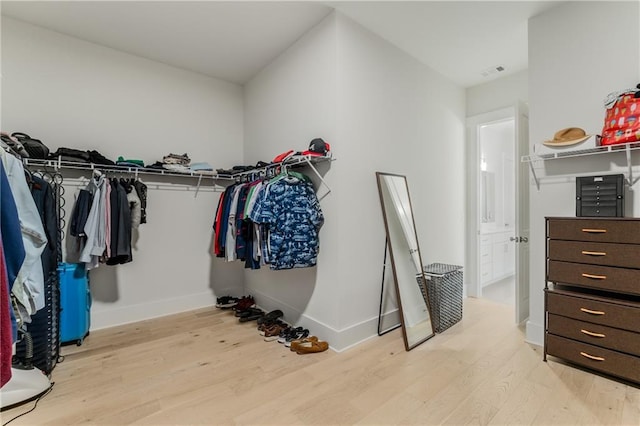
(622, 118)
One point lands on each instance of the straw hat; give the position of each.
(568, 136)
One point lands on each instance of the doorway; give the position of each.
(497, 208)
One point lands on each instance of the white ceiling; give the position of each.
(235, 40)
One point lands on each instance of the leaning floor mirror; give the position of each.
(406, 262)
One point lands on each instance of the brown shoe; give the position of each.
(311, 346)
(295, 343)
(272, 333)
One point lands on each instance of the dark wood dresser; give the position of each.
(592, 294)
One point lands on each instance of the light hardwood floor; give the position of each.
(203, 367)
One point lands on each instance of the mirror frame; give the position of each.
(408, 347)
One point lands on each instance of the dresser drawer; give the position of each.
(599, 335)
(622, 255)
(593, 276)
(584, 308)
(597, 358)
(596, 230)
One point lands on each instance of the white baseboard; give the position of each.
(102, 316)
(534, 333)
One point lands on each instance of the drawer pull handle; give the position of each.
(595, 358)
(594, 231)
(589, 311)
(594, 253)
(595, 277)
(592, 334)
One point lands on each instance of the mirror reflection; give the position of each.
(487, 196)
(405, 257)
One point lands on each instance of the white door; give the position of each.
(522, 213)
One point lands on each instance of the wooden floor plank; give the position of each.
(203, 367)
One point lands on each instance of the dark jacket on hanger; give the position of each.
(120, 225)
(45, 202)
(141, 190)
(80, 213)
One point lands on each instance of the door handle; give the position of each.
(519, 239)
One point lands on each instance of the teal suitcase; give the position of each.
(75, 303)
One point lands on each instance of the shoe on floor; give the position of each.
(272, 333)
(311, 347)
(291, 331)
(295, 343)
(249, 312)
(297, 335)
(254, 315)
(271, 316)
(262, 327)
(245, 303)
(226, 302)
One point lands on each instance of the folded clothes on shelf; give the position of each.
(182, 160)
(129, 162)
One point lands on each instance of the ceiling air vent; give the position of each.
(492, 70)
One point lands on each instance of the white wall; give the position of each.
(76, 94)
(395, 115)
(381, 110)
(573, 65)
(497, 94)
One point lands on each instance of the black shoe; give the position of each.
(252, 317)
(271, 316)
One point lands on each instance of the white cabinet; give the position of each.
(497, 257)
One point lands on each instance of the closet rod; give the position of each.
(296, 160)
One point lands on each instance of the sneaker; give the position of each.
(297, 335)
(291, 330)
(226, 302)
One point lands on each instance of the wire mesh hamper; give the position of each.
(444, 294)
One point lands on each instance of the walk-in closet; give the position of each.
(222, 212)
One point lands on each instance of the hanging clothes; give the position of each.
(120, 225)
(11, 237)
(118, 206)
(272, 222)
(80, 213)
(292, 212)
(141, 190)
(28, 288)
(44, 199)
(6, 332)
(95, 227)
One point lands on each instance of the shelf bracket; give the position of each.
(630, 180)
(535, 177)
(198, 186)
(319, 177)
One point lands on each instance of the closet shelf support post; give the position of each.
(319, 177)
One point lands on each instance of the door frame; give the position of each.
(473, 287)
